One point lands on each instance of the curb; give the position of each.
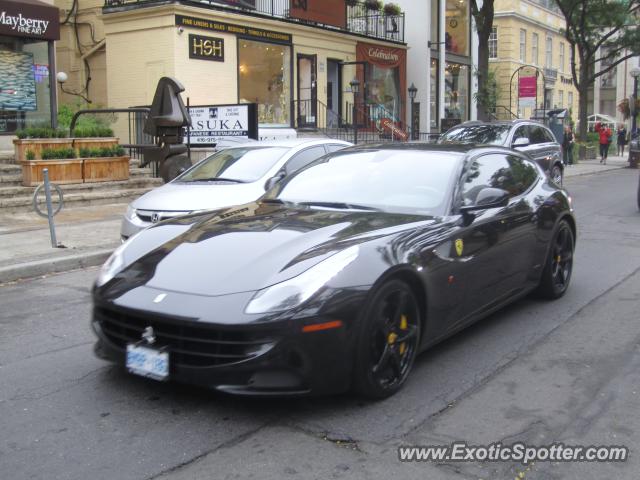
(53, 265)
(595, 172)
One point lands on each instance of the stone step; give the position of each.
(137, 182)
(7, 156)
(9, 168)
(75, 199)
(10, 179)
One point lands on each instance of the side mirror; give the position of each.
(269, 184)
(520, 142)
(488, 198)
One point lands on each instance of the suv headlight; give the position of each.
(293, 292)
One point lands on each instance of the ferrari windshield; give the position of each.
(399, 181)
(477, 134)
(235, 165)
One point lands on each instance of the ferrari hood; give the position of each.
(253, 246)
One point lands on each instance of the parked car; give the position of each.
(340, 274)
(231, 176)
(532, 138)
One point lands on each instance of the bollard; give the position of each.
(47, 193)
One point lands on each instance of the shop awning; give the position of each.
(29, 19)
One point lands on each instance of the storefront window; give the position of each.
(384, 92)
(433, 96)
(456, 94)
(457, 27)
(265, 79)
(25, 96)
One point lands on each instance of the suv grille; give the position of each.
(190, 343)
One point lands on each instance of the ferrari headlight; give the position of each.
(112, 266)
(293, 292)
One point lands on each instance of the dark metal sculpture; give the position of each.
(166, 121)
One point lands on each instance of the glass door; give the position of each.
(307, 92)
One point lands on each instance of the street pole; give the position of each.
(355, 88)
(635, 103)
(412, 95)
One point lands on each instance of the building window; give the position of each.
(523, 45)
(457, 30)
(570, 100)
(264, 78)
(560, 99)
(493, 43)
(25, 93)
(549, 53)
(433, 96)
(561, 65)
(456, 91)
(384, 91)
(534, 48)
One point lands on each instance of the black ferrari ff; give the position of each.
(340, 275)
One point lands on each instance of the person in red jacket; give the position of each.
(605, 134)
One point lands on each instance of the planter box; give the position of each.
(60, 171)
(105, 169)
(94, 142)
(37, 144)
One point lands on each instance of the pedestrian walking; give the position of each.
(622, 139)
(568, 139)
(605, 136)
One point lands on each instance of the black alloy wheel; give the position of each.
(389, 341)
(559, 265)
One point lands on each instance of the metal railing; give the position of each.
(360, 20)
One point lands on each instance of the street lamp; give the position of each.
(355, 88)
(413, 91)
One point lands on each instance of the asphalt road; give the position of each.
(536, 372)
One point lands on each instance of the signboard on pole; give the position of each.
(527, 91)
(212, 123)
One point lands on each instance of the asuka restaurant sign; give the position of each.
(30, 20)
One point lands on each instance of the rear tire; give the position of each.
(559, 264)
(388, 341)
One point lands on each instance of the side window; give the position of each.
(486, 171)
(523, 176)
(538, 135)
(334, 147)
(303, 158)
(549, 136)
(521, 132)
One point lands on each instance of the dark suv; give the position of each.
(527, 136)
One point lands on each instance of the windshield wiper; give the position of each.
(215, 179)
(340, 205)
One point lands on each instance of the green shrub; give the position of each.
(57, 153)
(392, 9)
(88, 120)
(100, 131)
(41, 132)
(115, 151)
(30, 155)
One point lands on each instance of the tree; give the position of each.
(601, 35)
(483, 17)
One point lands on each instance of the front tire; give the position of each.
(388, 341)
(559, 264)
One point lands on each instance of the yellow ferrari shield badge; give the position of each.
(459, 246)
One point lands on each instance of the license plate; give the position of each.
(147, 362)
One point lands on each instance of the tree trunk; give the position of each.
(483, 76)
(583, 101)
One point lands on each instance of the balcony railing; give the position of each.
(360, 20)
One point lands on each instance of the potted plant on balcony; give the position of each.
(391, 9)
(375, 5)
(351, 3)
(104, 164)
(61, 161)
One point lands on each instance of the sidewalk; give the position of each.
(588, 167)
(90, 234)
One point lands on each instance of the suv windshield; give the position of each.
(237, 165)
(398, 181)
(480, 134)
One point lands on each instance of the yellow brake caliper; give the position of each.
(403, 326)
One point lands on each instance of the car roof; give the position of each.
(516, 121)
(462, 149)
(292, 142)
